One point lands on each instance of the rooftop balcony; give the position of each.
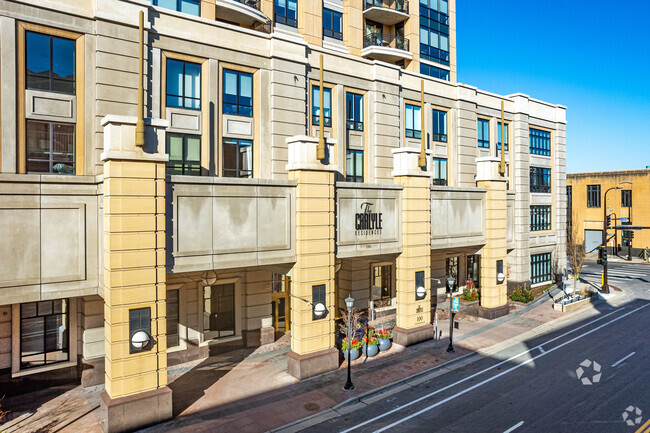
(244, 12)
(386, 47)
(388, 12)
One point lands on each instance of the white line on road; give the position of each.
(542, 349)
(424, 397)
(621, 360)
(516, 426)
(466, 390)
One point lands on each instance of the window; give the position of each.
(505, 128)
(354, 104)
(184, 154)
(483, 129)
(139, 320)
(183, 84)
(237, 93)
(191, 7)
(354, 166)
(318, 296)
(333, 24)
(383, 290)
(540, 142)
(434, 31)
(540, 268)
(50, 63)
(237, 158)
(440, 171)
(439, 126)
(626, 198)
(44, 333)
(474, 270)
(172, 318)
(286, 11)
(413, 121)
(540, 179)
(219, 311)
(540, 218)
(315, 106)
(434, 72)
(50, 147)
(593, 195)
(451, 270)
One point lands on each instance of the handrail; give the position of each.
(255, 4)
(378, 39)
(397, 5)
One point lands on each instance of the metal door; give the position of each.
(593, 238)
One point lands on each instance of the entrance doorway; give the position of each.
(219, 311)
(280, 305)
(474, 270)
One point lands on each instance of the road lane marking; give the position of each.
(621, 360)
(640, 430)
(424, 397)
(466, 390)
(541, 349)
(516, 426)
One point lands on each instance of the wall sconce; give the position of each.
(420, 290)
(140, 330)
(500, 276)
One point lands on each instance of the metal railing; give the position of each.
(396, 5)
(379, 39)
(255, 4)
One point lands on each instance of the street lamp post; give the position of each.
(349, 302)
(604, 238)
(450, 283)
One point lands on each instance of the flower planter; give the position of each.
(384, 344)
(354, 354)
(372, 350)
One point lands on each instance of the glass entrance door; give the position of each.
(280, 302)
(219, 311)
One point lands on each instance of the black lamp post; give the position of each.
(604, 238)
(349, 302)
(450, 283)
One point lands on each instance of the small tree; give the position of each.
(575, 252)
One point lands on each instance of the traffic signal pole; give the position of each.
(604, 239)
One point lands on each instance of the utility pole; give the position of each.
(604, 239)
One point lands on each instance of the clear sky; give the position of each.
(591, 56)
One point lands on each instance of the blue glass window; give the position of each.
(333, 24)
(540, 268)
(191, 7)
(540, 142)
(434, 31)
(183, 84)
(413, 121)
(354, 166)
(483, 130)
(440, 171)
(50, 63)
(237, 93)
(286, 12)
(315, 106)
(184, 154)
(505, 127)
(237, 158)
(434, 72)
(439, 126)
(354, 104)
(540, 179)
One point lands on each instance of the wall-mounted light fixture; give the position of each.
(140, 330)
(500, 276)
(318, 308)
(420, 290)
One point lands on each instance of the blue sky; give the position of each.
(592, 57)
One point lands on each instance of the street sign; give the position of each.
(455, 303)
(623, 219)
(629, 227)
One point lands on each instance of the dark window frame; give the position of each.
(437, 177)
(482, 125)
(318, 295)
(593, 196)
(240, 108)
(330, 31)
(540, 218)
(433, 21)
(352, 175)
(315, 118)
(285, 18)
(65, 340)
(412, 133)
(50, 72)
(237, 171)
(626, 198)
(178, 6)
(183, 96)
(540, 268)
(354, 104)
(540, 179)
(173, 320)
(51, 152)
(506, 132)
(433, 71)
(188, 168)
(439, 118)
(539, 142)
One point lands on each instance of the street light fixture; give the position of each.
(450, 283)
(319, 310)
(349, 303)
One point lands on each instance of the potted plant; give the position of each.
(370, 345)
(383, 337)
(354, 349)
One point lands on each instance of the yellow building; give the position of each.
(164, 191)
(627, 194)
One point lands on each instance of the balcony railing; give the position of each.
(255, 4)
(396, 5)
(385, 40)
(439, 182)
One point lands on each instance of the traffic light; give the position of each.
(602, 255)
(609, 221)
(630, 235)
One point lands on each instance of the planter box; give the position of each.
(575, 305)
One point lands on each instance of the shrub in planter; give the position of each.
(370, 345)
(471, 294)
(524, 295)
(354, 349)
(383, 337)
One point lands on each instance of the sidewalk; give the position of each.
(252, 392)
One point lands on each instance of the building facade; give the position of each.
(626, 202)
(196, 223)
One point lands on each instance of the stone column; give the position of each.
(494, 301)
(134, 275)
(312, 340)
(413, 315)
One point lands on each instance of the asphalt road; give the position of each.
(534, 386)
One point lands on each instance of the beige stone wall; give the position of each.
(91, 324)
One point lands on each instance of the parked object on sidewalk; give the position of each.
(383, 337)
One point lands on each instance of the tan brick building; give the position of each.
(137, 239)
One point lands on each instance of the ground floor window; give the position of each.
(184, 154)
(280, 303)
(383, 290)
(50, 147)
(237, 158)
(354, 166)
(474, 270)
(452, 271)
(219, 311)
(44, 333)
(172, 318)
(540, 268)
(440, 171)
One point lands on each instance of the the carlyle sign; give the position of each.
(367, 222)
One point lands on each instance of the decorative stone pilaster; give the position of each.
(134, 275)
(312, 339)
(494, 255)
(413, 324)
